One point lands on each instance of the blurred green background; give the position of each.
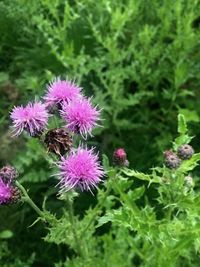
(139, 59)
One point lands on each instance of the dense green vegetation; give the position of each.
(140, 61)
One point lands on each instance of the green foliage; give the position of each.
(126, 226)
(140, 60)
(6, 234)
(133, 60)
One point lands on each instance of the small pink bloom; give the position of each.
(32, 118)
(80, 169)
(120, 157)
(81, 116)
(5, 192)
(9, 193)
(59, 91)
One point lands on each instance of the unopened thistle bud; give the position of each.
(8, 173)
(120, 157)
(58, 141)
(189, 181)
(185, 151)
(172, 161)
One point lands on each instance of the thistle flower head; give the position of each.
(31, 118)
(8, 173)
(172, 161)
(185, 151)
(59, 91)
(120, 157)
(58, 141)
(81, 116)
(80, 169)
(5, 192)
(8, 193)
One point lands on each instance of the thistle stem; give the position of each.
(96, 210)
(28, 200)
(73, 225)
(169, 213)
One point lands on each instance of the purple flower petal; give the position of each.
(81, 116)
(80, 169)
(59, 91)
(31, 118)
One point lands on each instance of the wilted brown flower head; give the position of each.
(58, 141)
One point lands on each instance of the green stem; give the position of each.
(28, 200)
(55, 121)
(95, 211)
(73, 225)
(169, 213)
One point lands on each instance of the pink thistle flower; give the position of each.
(80, 169)
(81, 116)
(8, 193)
(31, 118)
(59, 91)
(5, 192)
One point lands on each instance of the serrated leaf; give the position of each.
(190, 164)
(181, 140)
(136, 193)
(105, 219)
(105, 162)
(140, 175)
(190, 115)
(182, 126)
(124, 183)
(119, 216)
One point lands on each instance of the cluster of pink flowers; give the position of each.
(80, 166)
(79, 114)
